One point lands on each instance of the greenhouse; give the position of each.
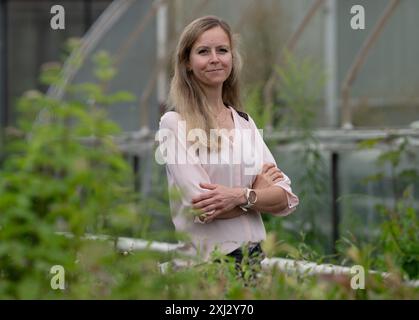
(80, 186)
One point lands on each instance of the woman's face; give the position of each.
(210, 59)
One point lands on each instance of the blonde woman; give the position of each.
(216, 158)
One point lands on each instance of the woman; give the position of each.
(226, 196)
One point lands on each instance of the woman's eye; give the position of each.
(223, 50)
(202, 51)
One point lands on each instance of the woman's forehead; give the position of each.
(215, 36)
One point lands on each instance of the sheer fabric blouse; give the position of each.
(237, 166)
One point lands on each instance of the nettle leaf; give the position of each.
(102, 59)
(105, 74)
(369, 143)
(373, 178)
(51, 73)
(392, 156)
(108, 128)
(409, 175)
(54, 175)
(86, 88)
(121, 96)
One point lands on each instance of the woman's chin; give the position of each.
(215, 82)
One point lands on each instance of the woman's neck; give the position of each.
(215, 99)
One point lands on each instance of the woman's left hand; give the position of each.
(218, 200)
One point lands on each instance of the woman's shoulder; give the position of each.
(170, 115)
(245, 117)
(169, 119)
(242, 114)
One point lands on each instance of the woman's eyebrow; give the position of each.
(207, 47)
(201, 47)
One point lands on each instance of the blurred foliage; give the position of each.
(258, 40)
(255, 107)
(396, 250)
(399, 230)
(299, 86)
(63, 172)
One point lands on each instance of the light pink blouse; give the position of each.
(184, 178)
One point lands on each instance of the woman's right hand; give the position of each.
(270, 175)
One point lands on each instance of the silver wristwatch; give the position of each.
(251, 199)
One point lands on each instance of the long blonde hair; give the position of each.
(186, 95)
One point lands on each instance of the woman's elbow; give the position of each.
(282, 210)
(288, 205)
(277, 209)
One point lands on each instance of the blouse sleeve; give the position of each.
(182, 163)
(284, 183)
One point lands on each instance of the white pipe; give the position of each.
(290, 266)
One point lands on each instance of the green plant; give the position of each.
(255, 107)
(399, 236)
(62, 172)
(299, 86)
(65, 173)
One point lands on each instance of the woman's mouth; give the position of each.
(215, 70)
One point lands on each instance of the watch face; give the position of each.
(252, 196)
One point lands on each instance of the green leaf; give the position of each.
(393, 157)
(373, 178)
(369, 143)
(121, 96)
(409, 175)
(105, 74)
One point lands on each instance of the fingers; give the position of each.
(205, 195)
(209, 207)
(209, 186)
(273, 175)
(277, 177)
(204, 217)
(209, 217)
(202, 196)
(267, 166)
(273, 170)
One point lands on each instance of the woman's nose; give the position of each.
(213, 57)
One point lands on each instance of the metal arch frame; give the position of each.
(346, 121)
(289, 47)
(100, 27)
(4, 108)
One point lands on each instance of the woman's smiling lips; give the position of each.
(215, 70)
